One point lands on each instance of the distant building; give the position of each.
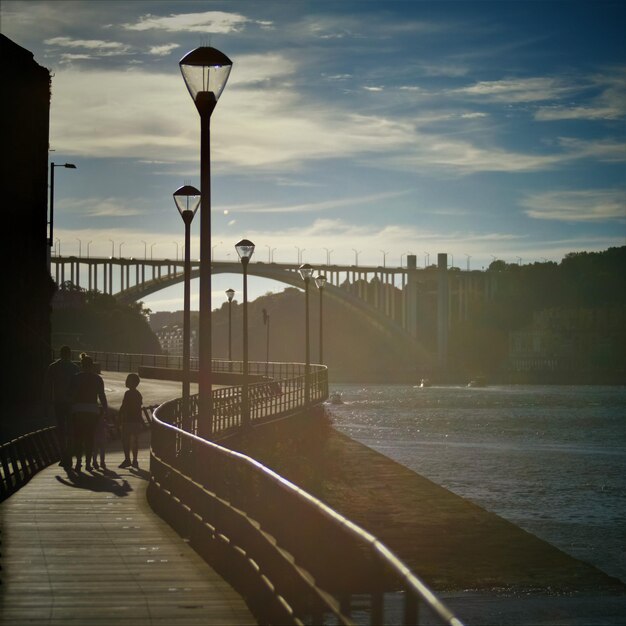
(27, 285)
(577, 345)
(171, 339)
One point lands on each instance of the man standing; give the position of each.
(57, 383)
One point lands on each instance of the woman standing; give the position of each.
(87, 388)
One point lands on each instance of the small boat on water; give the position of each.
(479, 381)
(425, 382)
(335, 398)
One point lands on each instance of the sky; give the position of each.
(371, 129)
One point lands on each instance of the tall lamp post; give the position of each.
(187, 200)
(70, 166)
(306, 271)
(245, 250)
(320, 281)
(266, 323)
(205, 71)
(230, 294)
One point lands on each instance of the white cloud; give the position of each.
(97, 47)
(589, 205)
(149, 116)
(206, 22)
(326, 205)
(103, 207)
(518, 90)
(610, 104)
(163, 50)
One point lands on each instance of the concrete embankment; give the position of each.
(447, 540)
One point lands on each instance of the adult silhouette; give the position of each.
(87, 388)
(57, 384)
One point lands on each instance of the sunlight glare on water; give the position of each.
(551, 459)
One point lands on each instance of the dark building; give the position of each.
(28, 287)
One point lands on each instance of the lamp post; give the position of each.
(145, 250)
(306, 271)
(70, 166)
(385, 253)
(320, 281)
(176, 244)
(112, 248)
(245, 250)
(187, 200)
(80, 247)
(119, 248)
(151, 247)
(469, 256)
(205, 71)
(230, 293)
(356, 256)
(426, 259)
(328, 255)
(88, 244)
(266, 323)
(57, 241)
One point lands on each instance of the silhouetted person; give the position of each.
(57, 384)
(87, 388)
(131, 421)
(100, 441)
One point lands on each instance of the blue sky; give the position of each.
(474, 128)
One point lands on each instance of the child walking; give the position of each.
(131, 421)
(100, 441)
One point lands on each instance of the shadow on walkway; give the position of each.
(97, 482)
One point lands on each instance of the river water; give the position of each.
(551, 459)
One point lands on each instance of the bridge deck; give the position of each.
(87, 549)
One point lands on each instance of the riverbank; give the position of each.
(451, 543)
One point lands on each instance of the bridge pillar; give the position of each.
(111, 277)
(442, 310)
(410, 296)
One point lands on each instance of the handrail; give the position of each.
(22, 457)
(302, 557)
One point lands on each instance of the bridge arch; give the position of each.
(399, 341)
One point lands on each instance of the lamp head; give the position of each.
(187, 199)
(320, 281)
(205, 70)
(230, 294)
(245, 250)
(306, 271)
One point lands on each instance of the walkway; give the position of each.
(87, 549)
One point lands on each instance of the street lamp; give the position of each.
(356, 256)
(112, 248)
(328, 255)
(230, 293)
(385, 253)
(187, 200)
(426, 259)
(57, 240)
(80, 247)
(245, 250)
(320, 281)
(306, 271)
(151, 247)
(145, 249)
(205, 71)
(266, 322)
(176, 244)
(119, 248)
(468, 261)
(70, 166)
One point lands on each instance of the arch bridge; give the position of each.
(409, 305)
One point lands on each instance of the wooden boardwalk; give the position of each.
(87, 549)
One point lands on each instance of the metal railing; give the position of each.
(295, 559)
(23, 457)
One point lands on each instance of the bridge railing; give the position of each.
(295, 559)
